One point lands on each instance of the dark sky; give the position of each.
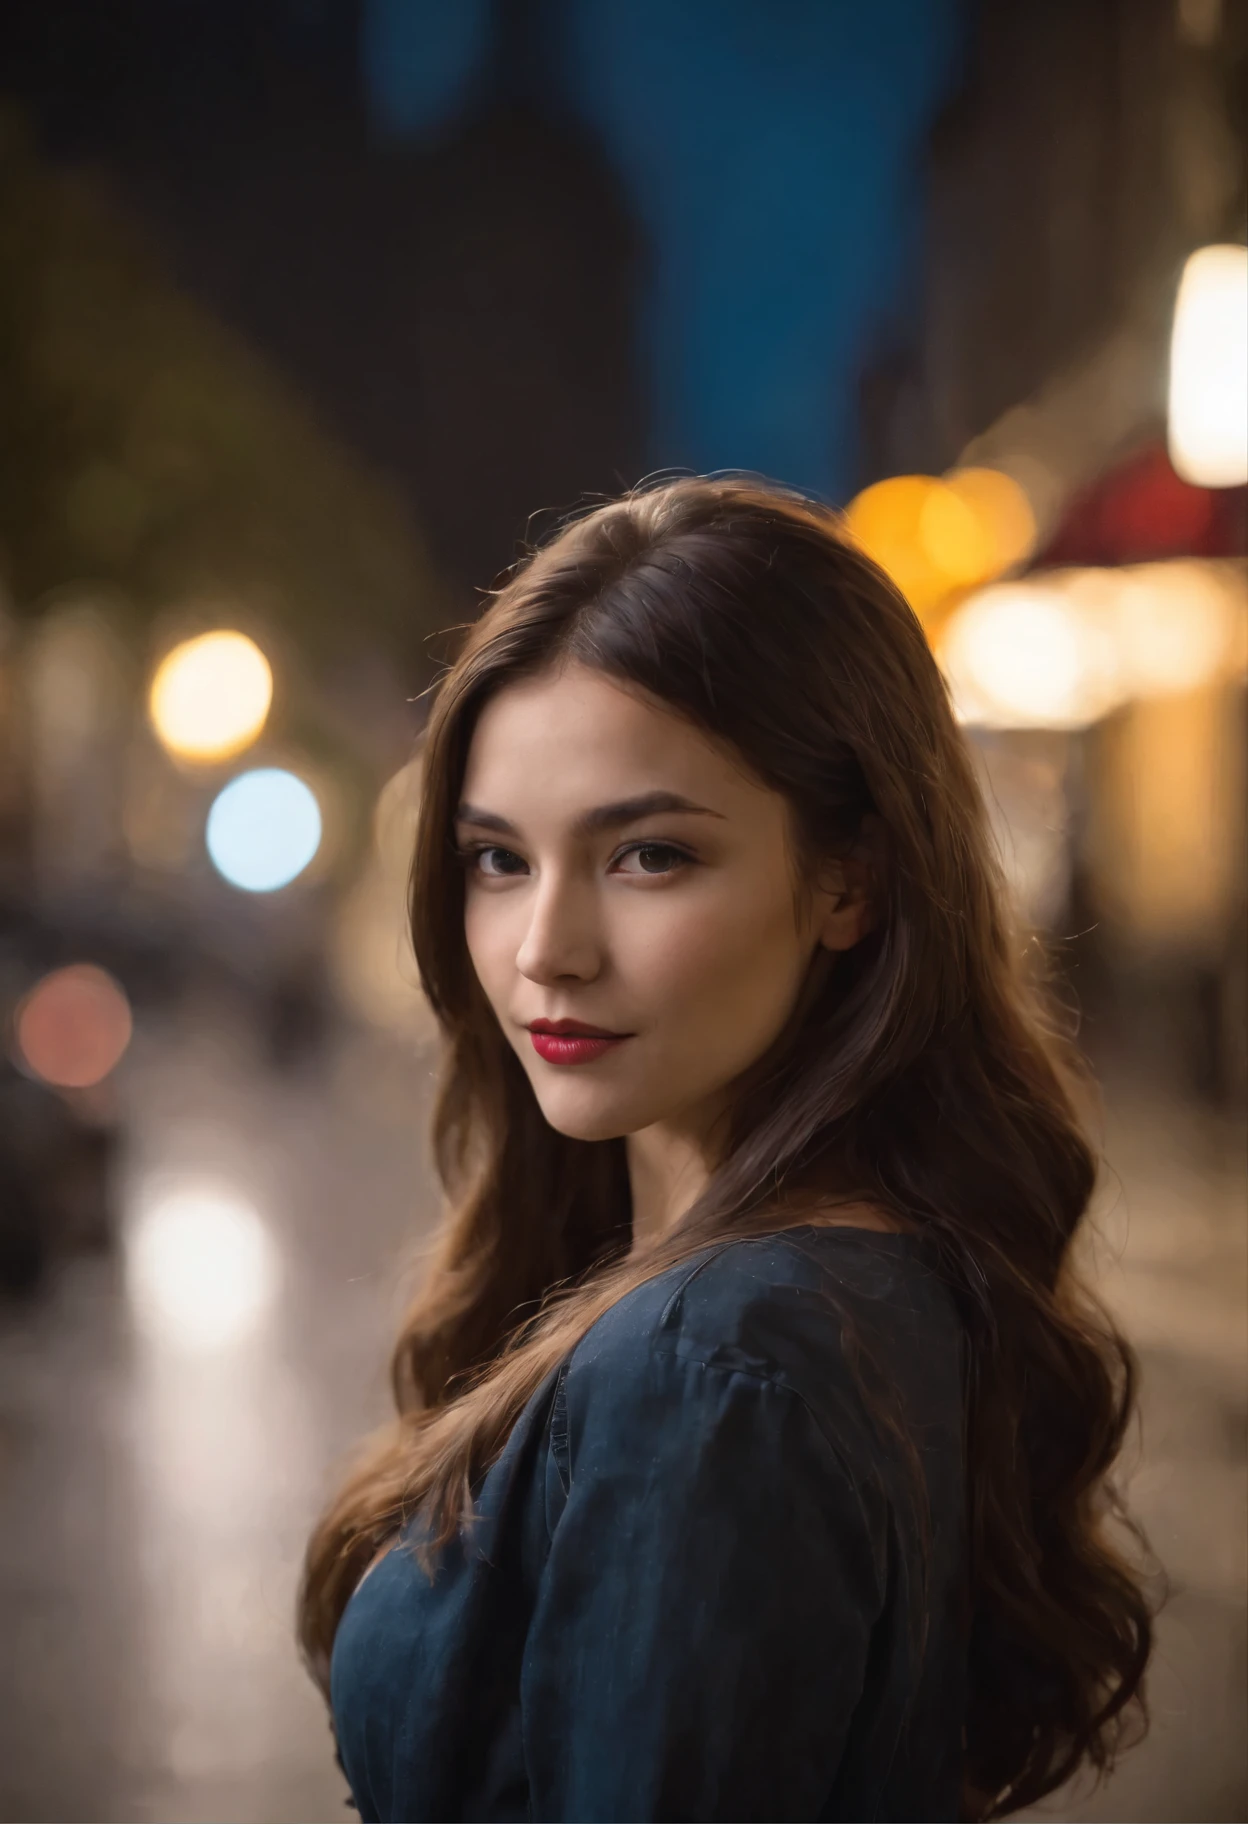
(514, 250)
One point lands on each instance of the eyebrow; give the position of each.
(602, 817)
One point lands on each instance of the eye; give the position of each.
(652, 858)
(494, 863)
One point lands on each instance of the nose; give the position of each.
(562, 941)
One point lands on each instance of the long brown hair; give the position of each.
(925, 1074)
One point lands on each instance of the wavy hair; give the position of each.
(925, 1072)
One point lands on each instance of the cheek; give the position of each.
(491, 948)
(718, 959)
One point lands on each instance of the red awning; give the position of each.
(1141, 511)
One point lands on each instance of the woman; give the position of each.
(753, 1434)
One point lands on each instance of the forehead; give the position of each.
(567, 740)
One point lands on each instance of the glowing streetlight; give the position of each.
(1209, 369)
(263, 829)
(211, 695)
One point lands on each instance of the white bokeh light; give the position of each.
(1208, 407)
(263, 829)
(201, 1269)
(1022, 656)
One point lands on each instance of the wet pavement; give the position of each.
(169, 1417)
(1170, 1256)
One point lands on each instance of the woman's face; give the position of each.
(631, 886)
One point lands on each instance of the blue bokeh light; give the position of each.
(263, 829)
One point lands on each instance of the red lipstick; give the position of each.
(572, 1041)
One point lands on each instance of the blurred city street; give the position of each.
(157, 1495)
(315, 315)
(157, 1489)
(1171, 1259)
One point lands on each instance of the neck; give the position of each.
(667, 1171)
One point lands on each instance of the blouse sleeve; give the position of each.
(702, 1622)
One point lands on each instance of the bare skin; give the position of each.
(626, 872)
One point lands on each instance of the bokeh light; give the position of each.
(1177, 626)
(886, 521)
(210, 697)
(935, 538)
(263, 829)
(1026, 657)
(73, 1027)
(1209, 369)
(201, 1268)
(954, 538)
(1063, 647)
(371, 955)
(1005, 522)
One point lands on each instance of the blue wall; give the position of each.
(773, 153)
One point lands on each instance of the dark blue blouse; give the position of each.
(698, 1585)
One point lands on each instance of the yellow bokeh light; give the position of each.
(210, 696)
(955, 540)
(935, 538)
(885, 520)
(1177, 625)
(1005, 523)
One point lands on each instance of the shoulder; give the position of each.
(774, 1313)
(765, 1304)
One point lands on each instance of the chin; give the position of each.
(581, 1116)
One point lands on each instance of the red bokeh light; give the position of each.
(73, 1027)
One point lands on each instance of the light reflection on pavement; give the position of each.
(169, 1422)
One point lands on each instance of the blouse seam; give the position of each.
(765, 1380)
(749, 1374)
(784, 1237)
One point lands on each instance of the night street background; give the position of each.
(311, 313)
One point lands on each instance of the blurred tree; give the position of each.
(146, 447)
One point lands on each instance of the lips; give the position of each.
(572, 1041)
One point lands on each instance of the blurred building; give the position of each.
(1091, 150)
(160, 483)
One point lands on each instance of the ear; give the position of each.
(846, 892)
